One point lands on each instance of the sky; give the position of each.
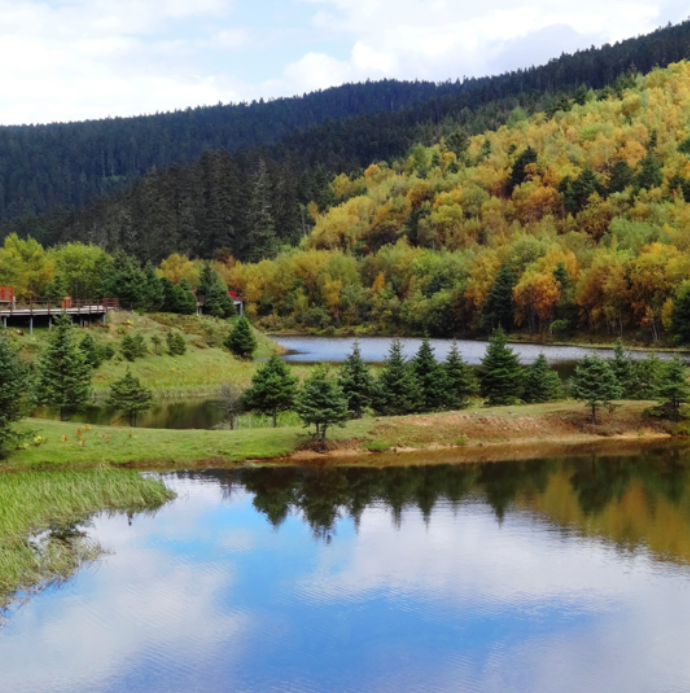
(79, 59)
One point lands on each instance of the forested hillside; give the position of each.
(70, 165)
(572, 220)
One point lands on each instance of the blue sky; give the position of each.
(76, 59)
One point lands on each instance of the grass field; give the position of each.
(75, 445)
(38, 511)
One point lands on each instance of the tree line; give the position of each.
(66, 167)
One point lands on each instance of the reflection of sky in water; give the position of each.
(207, 596)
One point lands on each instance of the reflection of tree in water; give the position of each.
(323, 496)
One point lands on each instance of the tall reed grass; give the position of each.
(40, 513)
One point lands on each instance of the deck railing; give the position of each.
(79, 306)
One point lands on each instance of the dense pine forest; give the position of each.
(47, 167)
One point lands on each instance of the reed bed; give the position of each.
(40, 514)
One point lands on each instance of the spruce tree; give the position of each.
(15, 385)
(624, 370)
(673, 390)
(128, 395)
(241, 341)
(176, 344)
(502, 376)
(680, 316)
(129, 348)
(185, 298)
(460, 381)
(273, 389)
(261, 238)
(398, 390)
(541, 384)
(154, 291)
(322, 403)
(92, 352)
(498, 311)
(64, 379)
(356, 382)
(430, 376)
(170, 304)
(595, 384)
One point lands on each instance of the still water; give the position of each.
(375, 350)
(564, 575)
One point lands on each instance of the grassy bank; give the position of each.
(74, 445)
(38, 513)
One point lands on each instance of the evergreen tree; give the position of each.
(218, 304)
(621, 176)
(518, 175)
(241, 341)
(502, 376)
(92, 352)
(595, 384)
(624, 370)
(577, 192)
(273, 389)
(650, 175)
(129, 348)
(322, 403)
(648, 374)
(128, 395)
(15, 386)
(566, 308)
(541, 384)
(127, 282)
(673, 390)
(185, 298)
(498, 311)
(176, 344)
(398, 390)
(170, 304)
(64, 379)
(261, 239)
(356, 382)
(430, 376)
(155, 292)
(460, 381)
(680, 317)
(140, 348)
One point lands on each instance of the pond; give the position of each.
(375, 350)
(564, 575)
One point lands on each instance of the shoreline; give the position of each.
(471, 435)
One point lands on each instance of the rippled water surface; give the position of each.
(557, 575)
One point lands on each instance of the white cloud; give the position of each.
(73, 59)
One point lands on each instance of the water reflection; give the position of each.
(561, 574)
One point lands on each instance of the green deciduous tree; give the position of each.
(357, 383)
(64, 379)
(430, 376)
(15, 385)
(502, 376)
(322, 403)
(459, 380)
(398, 390)
(595, 384)
(128, 395)
(273, 389)
(673, 390)
(541, 383)
(241, 341)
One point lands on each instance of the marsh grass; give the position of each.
(41, 542)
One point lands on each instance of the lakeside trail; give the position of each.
(482, 434)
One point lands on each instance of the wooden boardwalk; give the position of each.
(83, 310)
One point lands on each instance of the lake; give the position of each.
(375, 350)
(567, 575)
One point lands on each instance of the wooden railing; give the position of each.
(83, 306)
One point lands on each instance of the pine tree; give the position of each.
(595, 384)
(129, 348)
(624, 370)
(273, 389)
(92, 352)
(398, 390)
(518, 175)
(356, 382)
(170, 304)
(185, 298)
(673, 390)
(430, 376)
(322, 403)
(498, 309)
(241, 341)
(15, 386)
(176, 344)
(64, 379)
(502, 376)
(128, 395)
(155, 293)
(541, 384)
(680, 317)
(261, 239)
(460, 381)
